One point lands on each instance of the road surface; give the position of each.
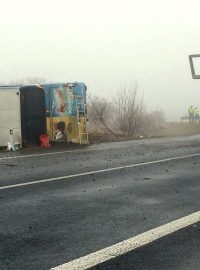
(59, 205)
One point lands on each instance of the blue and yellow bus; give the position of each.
(66, 112)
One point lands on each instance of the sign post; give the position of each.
(195, 65)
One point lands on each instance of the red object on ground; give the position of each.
(44, 141)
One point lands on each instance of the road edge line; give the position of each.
(130, 244)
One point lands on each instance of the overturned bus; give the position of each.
(28, 111)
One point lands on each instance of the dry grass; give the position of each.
(179, 129)
(167, 130)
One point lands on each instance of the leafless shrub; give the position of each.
(100, 114)
(123, 115)
(129, 109)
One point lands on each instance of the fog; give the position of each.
(106, 44)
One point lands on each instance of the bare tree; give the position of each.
(129, 109)
(99, 113)
(123, 114)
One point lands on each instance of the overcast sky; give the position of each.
(105, 44)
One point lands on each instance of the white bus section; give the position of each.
(10, 116)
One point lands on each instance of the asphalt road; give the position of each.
(47, 224)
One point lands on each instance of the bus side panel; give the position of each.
(65, 129)
(10, 117)
(61, 113)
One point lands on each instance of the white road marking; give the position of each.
(130, 244)
(73, 151)
(52, 153)
(66, 151)
(98, 171)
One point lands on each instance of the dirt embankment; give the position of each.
(167, 130)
